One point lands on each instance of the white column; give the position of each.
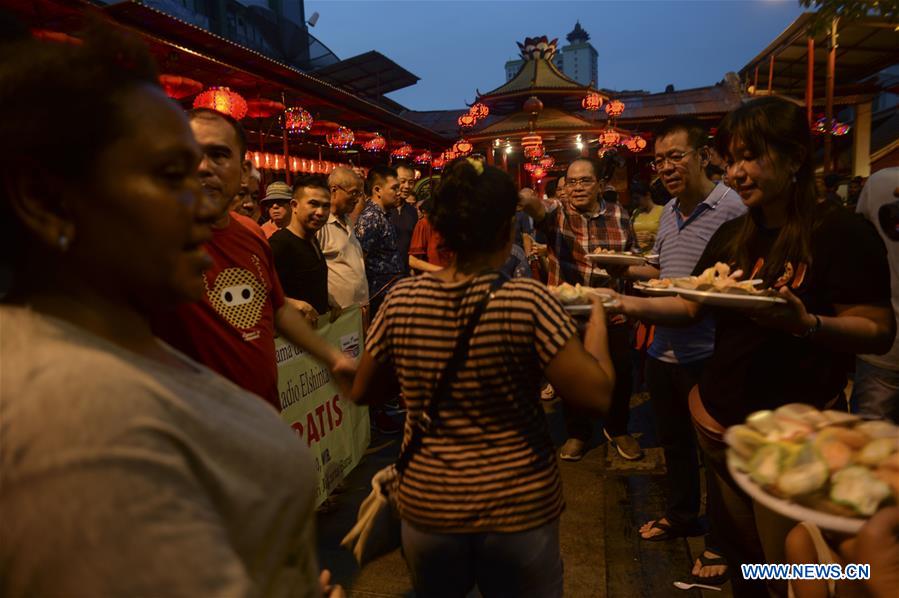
(861, 141)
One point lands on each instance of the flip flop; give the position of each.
(715, 561)
(670, 531)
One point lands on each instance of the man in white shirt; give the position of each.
(347, 283)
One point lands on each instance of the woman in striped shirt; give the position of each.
(481, 497)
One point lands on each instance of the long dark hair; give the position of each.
(777, 128)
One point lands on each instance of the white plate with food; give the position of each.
(830, 468)
(728, 299)
(656, 287)
(575, 299)
(615, 258)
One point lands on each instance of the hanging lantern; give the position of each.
(539, 172)
(263, 108)
(402, 152)
(533, 105)
(222, 99)
(479, 111)
(341, 138)
(466, 121)
(530, 166)
(438, 163)
(547, 162)
(534, 151)
(463, 147)
(177, 87)
(375, 144)
(256, 157)
(450, 155)
(839, 129)
(296, 120)
(615, 108)
(635, 144)
(530, 140)
(592, 101)
(609, 137)
(423, 158)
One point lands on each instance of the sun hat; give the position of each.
(277, 192)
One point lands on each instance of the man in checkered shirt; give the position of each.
(583, 225)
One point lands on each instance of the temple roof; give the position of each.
(548, 120)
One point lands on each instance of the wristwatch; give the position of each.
(811, 330)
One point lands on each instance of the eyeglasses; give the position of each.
(582, 182)
(352, 193)
(674, 158)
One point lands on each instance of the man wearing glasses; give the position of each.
(677, 355)
(347, 283)
(584, 224)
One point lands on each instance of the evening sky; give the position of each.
(458, 47)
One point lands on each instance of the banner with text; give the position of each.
(336, 430)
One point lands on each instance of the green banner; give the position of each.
(336, 430)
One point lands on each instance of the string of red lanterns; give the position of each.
(222, 99)
(269, 161)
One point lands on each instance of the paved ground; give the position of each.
(607, 501)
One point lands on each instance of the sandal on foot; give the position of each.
(670, 531)
(712, 561)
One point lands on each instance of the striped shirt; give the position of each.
(679, 244)
(488, 464)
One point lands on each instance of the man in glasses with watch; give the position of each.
(676, 357)
(584, 224)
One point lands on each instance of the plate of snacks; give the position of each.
(830, 468)
(575, 299)
(720, 287)
(616, 258)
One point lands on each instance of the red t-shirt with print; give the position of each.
(428, 245)
(232, 329)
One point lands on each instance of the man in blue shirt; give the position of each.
(377, 236)
(677, 355)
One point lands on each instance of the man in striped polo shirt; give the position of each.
(676, 356)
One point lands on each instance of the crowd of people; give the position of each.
(142, 448)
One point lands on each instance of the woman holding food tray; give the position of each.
(826, 297)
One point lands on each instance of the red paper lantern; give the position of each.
(635, 144)
(296, 120)
(533, 105)
(479, 111)
(592, 102)
(375, 144)
(449, 155)
(534, 151)
(402, 152)
(222, 99)
(530, 166)
(341, 138)
(539, 172)
(615, 108)
(438, 163)
(463, 147)
(609, 137)
(466, 121)
(263, 108)
(423, 158)
(531, 140)
(547, 162)
(177, 87)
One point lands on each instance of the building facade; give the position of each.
(578, 60)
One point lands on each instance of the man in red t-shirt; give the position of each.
(232, 330)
